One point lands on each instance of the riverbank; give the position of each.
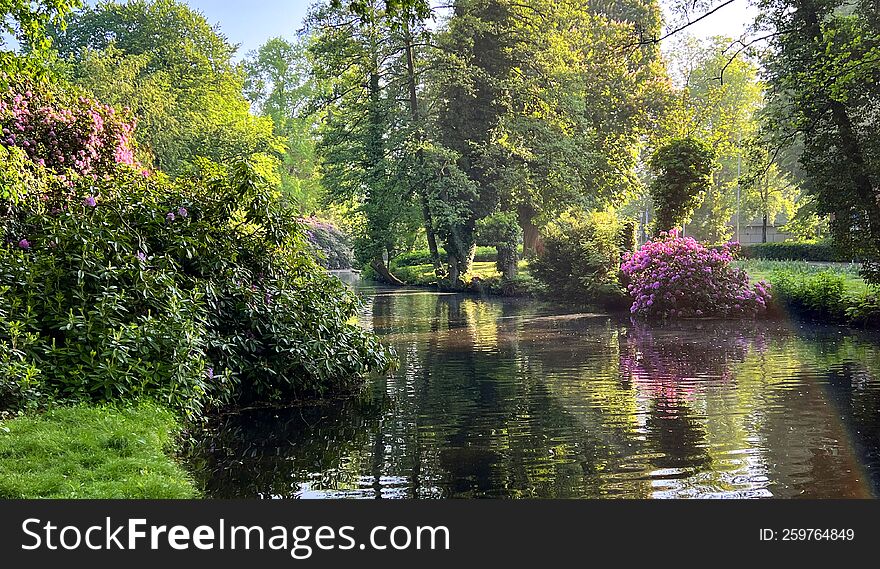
(827, 292)
(93, 452)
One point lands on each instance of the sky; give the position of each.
(250, 23)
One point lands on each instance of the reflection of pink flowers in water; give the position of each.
(675, 365)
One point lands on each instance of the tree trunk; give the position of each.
(531, 234)
(432, 237)
(459, 264)
(415, 116)
(382, 270)
(454, 271)
(510, 263)
(764, 228)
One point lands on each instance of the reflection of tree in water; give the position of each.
(268, 452)
(487, 424)
(507, 399)
(671, 366)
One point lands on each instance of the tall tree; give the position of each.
(824, 74)
(279, 85)
(719, 99)
(546, 105)
(359, 65)
(166, 63)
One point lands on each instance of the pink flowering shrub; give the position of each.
(673, 277)
(70, 135)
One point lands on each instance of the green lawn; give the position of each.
(92, 452)
(764, 270)
(424, 274)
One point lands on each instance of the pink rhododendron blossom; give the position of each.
(677, 277)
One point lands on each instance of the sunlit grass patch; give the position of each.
(92, 452)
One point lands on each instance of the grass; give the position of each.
(92, 452)
(424, 274)
(765, 270)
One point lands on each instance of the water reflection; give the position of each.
(510, 398)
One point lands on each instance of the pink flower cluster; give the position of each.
(66, 134)
(675, 277)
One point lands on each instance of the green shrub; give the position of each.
(333, 247)
(194, 294)
(820, 251)
(819, 294)
(581, 257)
(864, 310)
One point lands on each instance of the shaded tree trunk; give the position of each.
(378, 265)
(764, 228)
(531, 234)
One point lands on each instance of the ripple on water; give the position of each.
(497, 398)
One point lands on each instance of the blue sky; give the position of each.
(252, 22)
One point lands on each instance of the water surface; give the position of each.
(503, 398)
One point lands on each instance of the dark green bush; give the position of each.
(194, 294)
(581, 258)
(820, 251)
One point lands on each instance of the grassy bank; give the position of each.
(92, 452)
(825, 291)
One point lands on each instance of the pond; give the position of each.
(512, 398)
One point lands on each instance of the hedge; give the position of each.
(820, 251)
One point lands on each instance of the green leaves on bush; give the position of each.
(824, 295)
(581, 257)
(194, 294)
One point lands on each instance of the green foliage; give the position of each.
(683, 170)
(194, 294)
(366, 143)
(819, 251)
(279, 85)
(718, 102)
(164, 62)
(88, 452)
(581, 257)
(820, 294)
(513, 83)
(501, 230)
(826, 294)
(26, 21)
(822, 70)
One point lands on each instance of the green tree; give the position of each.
(683, 172)
(174, 71)
(365, 146)
(25, 22)
(718, 103)
(279, 85)
(546, 104)
(823, 72)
